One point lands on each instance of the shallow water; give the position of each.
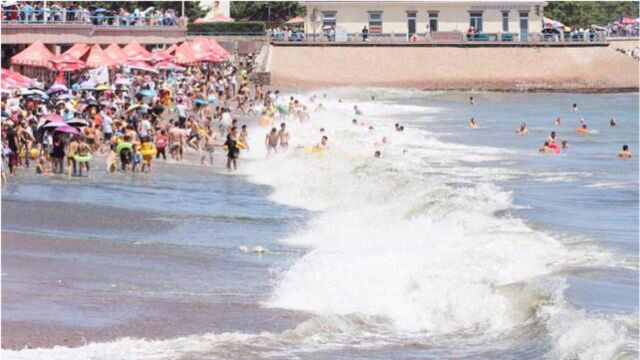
(457, 243)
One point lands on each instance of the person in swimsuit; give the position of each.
(612, 122)
(522, 130)
(271, 141)
(244, 136)
(559, 121)
(283, 136)
(232, 152)
(57, 153)
(473, 123)
(625, 153)
(208, 146)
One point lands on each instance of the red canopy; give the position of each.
(66, 62)
(78, 50)
(160, 55)
(205, 48)
(96, 57)
(115, 52)
(139, 64)
(35, 55)
(171, 49)
(295, 20)
(184, 54)
(135, 49)
(168, 65)
(217, 48)
(11, 79)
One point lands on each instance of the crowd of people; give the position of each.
(75, 12)
(633, 53)
(138, 118)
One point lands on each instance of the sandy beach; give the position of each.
(575, 69)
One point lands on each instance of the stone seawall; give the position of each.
(597, 68)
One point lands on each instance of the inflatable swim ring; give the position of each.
(312, 150)
(554, 147)
(123, 145)
(582, 131)
(264, 121)
(82, 159)
(149, 152)
(240, 145)
(283, 108)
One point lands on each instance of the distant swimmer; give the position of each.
(559, 121)
(283, 136)
(575, 107)
(473, 123)
(322, 145)
(612, 122)
(356, 110)
(625, 153)
(552, 138)
(271, 141)
(471, 102)
(565, 144)
(383, 142)
(354, 122)
(522, 130)
(545, 149)
(376, 154)
(582, 129)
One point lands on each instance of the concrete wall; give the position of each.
(87, 33)
(451, 16)
(490, 68)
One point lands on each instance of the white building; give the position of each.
(520, 18)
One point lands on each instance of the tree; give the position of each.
(269, 11)
(586, 13)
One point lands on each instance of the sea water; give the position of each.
(455, 243)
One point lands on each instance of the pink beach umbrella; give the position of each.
(67, 129)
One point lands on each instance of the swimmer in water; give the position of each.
(322, 145)
(612, 122)
(552, 138)
(283, 136)
(565, 144)
(545, 149)
(625, 153)
(383, 142)
(575, 107)
(522, 130)
(559, 121)
(271, 141)
(376, 154)
(582, 129)
(471, 102)
(473, 123)
(354, 122)
(356, 110)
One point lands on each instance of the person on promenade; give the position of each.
(365, 33)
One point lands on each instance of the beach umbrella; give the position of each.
(148, 92)
(67, 129)
(123, 81)
(54, 117)
(57, 88)
(65, 97)
(295, 20)
(133, 107)
(76, 122)
(102, 87)
(35, 92)
(99, 10)
(140, 65)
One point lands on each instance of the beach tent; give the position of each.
(184, 54)
(135, 49)
(96, 57)
(115, 52)
(78, 50)
(160, 55)
(36, 55)
(140, 65)
(167, 65)
(66, 62)
(202, 45)
(295, 20)
(171, 49)
(12, 80)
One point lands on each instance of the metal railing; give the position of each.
(84, 17)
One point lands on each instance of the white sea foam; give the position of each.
(405, 249)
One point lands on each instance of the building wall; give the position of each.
(451, 16)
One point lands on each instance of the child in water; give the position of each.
(473, 123)
(137, 158)
(625, 153)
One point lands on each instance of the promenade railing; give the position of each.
(96, 18)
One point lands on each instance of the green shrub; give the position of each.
(227, 28)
